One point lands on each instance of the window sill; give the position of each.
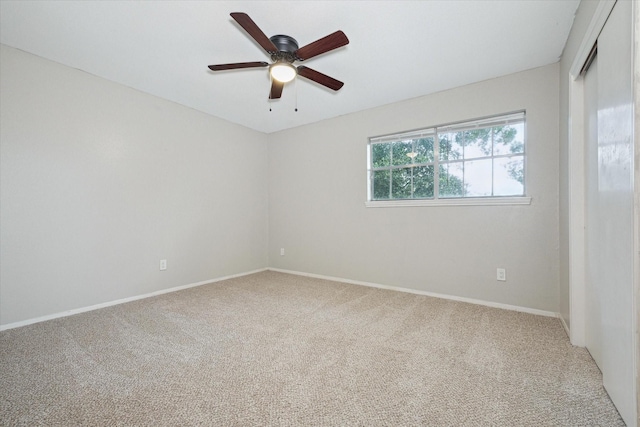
(475, 201)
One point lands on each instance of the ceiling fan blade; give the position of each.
(221, 67)
(318, 77)
(276, 89)
(254, 31)
(325, 44)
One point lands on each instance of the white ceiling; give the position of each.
(398, 49)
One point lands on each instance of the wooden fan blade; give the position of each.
(222, 67)
(276, 89)
(318, 77)
(325, 44)
(254, 31)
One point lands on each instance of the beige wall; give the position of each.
(318, 186)
(99, 182)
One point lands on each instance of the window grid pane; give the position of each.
(484, 158)
(401, 183)
(423, 182)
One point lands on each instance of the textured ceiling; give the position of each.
(398, 50)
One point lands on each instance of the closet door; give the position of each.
(593, 327)
(609, 211)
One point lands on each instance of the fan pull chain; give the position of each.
(269, 100)
(295, 85)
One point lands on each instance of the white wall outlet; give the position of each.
(502, 274)
(163, 264)
(281, 251)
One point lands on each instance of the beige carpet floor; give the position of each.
(277, 349)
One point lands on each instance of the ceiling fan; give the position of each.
(284, 52)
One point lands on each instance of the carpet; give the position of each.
(277, 349)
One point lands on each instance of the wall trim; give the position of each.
(564, 325)
(576, 144)
(461, 201)
(280, 270)
(122, 301)
(425, 293)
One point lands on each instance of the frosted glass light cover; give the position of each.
(282, 72)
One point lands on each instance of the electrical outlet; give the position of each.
(163, 264)
(281, 251)
(501, 274)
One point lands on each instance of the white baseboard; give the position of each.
(565, 326)
(298, 273)
(121, 301)
(429, 294)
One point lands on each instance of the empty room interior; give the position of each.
(432, 220)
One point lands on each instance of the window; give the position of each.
(476, 159)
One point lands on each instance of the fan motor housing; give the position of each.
(284, 43)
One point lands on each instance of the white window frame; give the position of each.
(502, 119)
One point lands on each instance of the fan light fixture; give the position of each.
(284, 52)
(282, 72)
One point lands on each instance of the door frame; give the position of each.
(577, 211)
